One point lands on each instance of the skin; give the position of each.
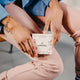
(24, 41)
(54, 20)
(48, 20)
(68, 22)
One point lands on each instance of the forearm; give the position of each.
(22, 17)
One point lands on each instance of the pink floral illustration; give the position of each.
(34, 41)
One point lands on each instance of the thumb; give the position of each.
(53, 38)
(53, 42)
(46, 27)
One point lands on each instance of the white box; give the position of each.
(42, 43)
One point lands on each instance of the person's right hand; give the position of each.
(22, 36)
(53, 20)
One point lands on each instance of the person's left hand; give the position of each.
(53, 19)
(21, 35)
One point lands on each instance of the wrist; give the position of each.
(6, 22)
(53, 3)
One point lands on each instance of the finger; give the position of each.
(76, 34)
(58, 34)
(46, 27)
(32, 48)
(76, 38)
(21, 47)
(24, 47)
(55, 33)
(57, 37)
(28, 48)
(52, 27)
(53, 40)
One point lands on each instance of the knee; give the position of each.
(51, 71)
(58, 66)
(59, 69)
(56, 69)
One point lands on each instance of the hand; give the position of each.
(53, 19)
(22, 36)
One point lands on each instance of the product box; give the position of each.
(42, 43)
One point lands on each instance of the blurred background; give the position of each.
(65, 47)
(73, 3)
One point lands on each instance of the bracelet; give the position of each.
(6, 25)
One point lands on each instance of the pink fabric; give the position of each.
(76, 37)
(42, 68)
(45, 68)
(77, 59)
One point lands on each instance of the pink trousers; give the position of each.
(45, 68)
(76, 37)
